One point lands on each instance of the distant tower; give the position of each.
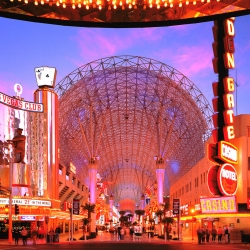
(45, 94)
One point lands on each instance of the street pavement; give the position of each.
(112, 238)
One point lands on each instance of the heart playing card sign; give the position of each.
(45, 76)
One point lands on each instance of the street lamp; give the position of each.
(192, 212)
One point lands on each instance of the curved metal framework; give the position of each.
(126, 110)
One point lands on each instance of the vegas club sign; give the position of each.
(222, 178)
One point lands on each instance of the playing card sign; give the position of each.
(45, 76)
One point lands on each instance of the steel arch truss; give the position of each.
(128, 109)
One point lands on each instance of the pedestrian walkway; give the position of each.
(110, 237)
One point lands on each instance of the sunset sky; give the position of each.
(188, 48)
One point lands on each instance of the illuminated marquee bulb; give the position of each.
(187, 2)
(115, 6)
(208, 1)
(130, 6)
(150, 5)
(94, 5)
(73, 6)
(165, 4)
(109, 8)
(79, 5)
(42, 2)
(194, 2)
(64, 5)
(180, 4)
(202, 1)
(36, 3)
(90, 1)
(171, 5)
(87, 7)
(158, 6)
(100, 7)
(26, 1)
(156, 2)
(123, 7)
(135, 7)
(57, 3)
(120, 3)
(144, 7)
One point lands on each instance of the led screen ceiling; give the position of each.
(126, 110)
(122, 13)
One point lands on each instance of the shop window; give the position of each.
(67, 177)
(60, 171)
(73, 180)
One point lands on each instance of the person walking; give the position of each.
(203, 234)
(16, 235)
(119, 233)
(220, 232)
(51, 235)
(207, 231)
(34, 234)
(24, 234)
(227, 234)
(199, 234)
(214, 233)
(122, 233)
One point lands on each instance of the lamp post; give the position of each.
(192, 211)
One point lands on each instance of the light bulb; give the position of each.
(187, 2)
(123, 7)
(144, 7)
(158, 6)
(130, 6)
(26, 1)
(120, 3)
(171, 5)
(36, 3)
(150, 5)
(73, 6)
(57, 3)
(109, 8)
(194, 2)
(165, 4)
(79, 5)
(100, 7)
(115, 7)
(42, 2)
(87, 7)
(180, 4)
(135, 7)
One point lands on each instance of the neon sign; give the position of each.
(227, 152)
(218, 205)
(227, 179)
(20, 104)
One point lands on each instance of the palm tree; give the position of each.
(122, 212)
(166, 207)
(167, 221)
(129, 216)
(139, 212)
(90, 209)
(123, 219)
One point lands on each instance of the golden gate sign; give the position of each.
(222, 179)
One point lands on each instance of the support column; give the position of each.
(160, 171)
(49, 182)
(142, 202)
(111, 204)
(93, 165)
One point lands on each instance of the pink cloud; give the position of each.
(97, 43)
(189, 60)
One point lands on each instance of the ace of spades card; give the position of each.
(45, 76)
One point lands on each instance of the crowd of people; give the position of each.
(34, 233)
(204, 234)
